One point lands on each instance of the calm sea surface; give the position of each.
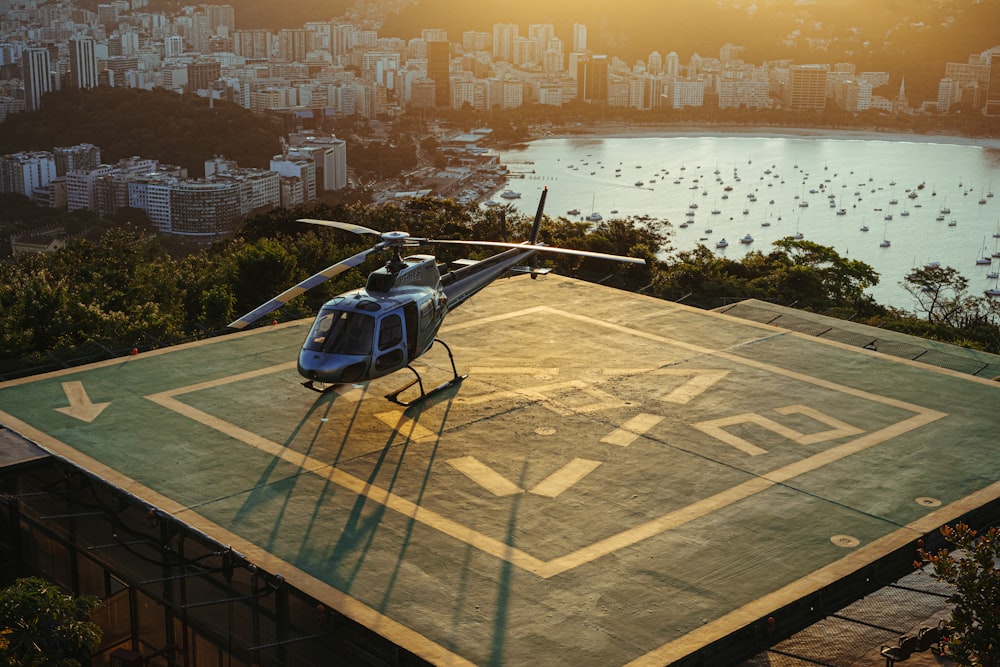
(769, 187)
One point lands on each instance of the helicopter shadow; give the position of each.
(351, 548)
(280, 495)
(263, 489)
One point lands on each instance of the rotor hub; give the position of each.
(395, 239)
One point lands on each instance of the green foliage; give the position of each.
(44, 627)
(970, 564)
(175, 129)
(797, 272)
(95, 298)
(940, 292)
(374, 160)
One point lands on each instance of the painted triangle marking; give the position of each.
(404, 425)
(484, 476)
(565, 477)
(631, 430)
(699, 381)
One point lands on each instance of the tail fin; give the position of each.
(538, 217)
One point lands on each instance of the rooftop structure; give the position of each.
(621, 480)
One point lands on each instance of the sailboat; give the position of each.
(995, 290)
(983, 257)
(885, 242)
(594, 215)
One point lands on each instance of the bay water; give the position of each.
(921, 200)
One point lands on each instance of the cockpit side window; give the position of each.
(342, 332)
(390, 333)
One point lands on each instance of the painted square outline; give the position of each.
(623, 539)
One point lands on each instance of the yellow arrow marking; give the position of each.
(80, 406)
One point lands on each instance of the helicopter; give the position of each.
(371, 332)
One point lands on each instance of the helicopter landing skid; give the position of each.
(456, 378)
(319, 387)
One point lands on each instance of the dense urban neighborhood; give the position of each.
(344, 104)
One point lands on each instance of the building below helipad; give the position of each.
(621, 480)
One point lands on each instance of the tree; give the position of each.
(940, 292)
(798, 272)
(971, 566)
(43, 627)
(838, 279)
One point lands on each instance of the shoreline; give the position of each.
(667, 131)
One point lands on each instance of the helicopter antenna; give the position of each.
(538, 217)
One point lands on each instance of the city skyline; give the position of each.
(349, 65)
(346, 68)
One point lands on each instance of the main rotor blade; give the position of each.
(308, 283)
(544, 248)
(346, 226)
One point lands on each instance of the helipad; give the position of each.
(620, 480)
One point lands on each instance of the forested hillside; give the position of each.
(172, 128)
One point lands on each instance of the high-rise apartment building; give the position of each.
(672, 66)
(592, 78)
(476, 41)
(81, 186)
(82, 63)
(173, 46)
(654, 64)
(949, 93)
(343, 38)
(254, 44)
(76, 158)
(202, 74)
(541, 34)
(422, 93)
(221, 19)
(293, 44)
(439, 71)
(330, 156)
(579, 37)
(298, 178)
(434, 35)
(806, 87)
(107, 16)
(504, 36)
(22, 173)
(36, 68)
(993, 87)
(686, 93)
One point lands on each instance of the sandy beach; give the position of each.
(666, 131)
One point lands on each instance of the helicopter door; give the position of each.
(390, 342)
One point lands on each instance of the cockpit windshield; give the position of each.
(341, 332)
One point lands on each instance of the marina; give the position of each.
(935, 200)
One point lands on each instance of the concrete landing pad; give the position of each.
(620, 479)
